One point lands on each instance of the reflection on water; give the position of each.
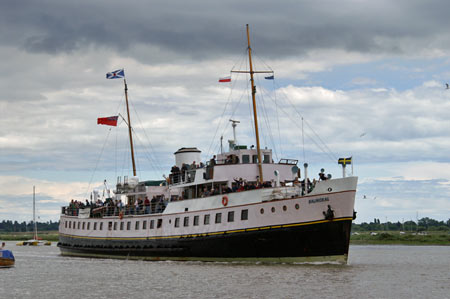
(372, 272)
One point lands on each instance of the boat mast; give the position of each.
(34, 215)
(255, 117)
(129, 128)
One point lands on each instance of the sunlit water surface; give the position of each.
(372, 272)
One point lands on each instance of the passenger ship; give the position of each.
(280, 216)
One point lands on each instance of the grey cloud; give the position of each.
(204, 29)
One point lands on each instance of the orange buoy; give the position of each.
(225, 200)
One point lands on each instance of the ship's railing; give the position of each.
(107, 211)
(288, 161)
(185, 177)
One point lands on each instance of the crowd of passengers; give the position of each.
(115, 207)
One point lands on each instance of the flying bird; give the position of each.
(363, 134)
(447, 86)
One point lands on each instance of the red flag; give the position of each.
(109, 121)
(225, 79)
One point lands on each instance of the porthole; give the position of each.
(273, 209)
(297, 206)
(284, 208)
(262, 211)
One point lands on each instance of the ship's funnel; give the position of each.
(187, 155)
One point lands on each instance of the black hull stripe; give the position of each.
(210, 234)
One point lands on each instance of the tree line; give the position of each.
(15, 226)
(423, 224)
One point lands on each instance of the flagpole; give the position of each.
(258, 149)
(129, 128)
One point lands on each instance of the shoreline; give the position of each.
(357, 238)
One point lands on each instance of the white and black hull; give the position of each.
(290, 229)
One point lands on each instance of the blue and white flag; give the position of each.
(269, 78)
(116, 74)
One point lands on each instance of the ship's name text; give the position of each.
(320, 199)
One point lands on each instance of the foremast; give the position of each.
(129, 128)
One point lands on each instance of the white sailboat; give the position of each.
(36, 241)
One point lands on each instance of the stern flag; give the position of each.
(345, 161)
(109, 121)
(225, 79)
(116, 74)
(269, 78)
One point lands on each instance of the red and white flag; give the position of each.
(225, 79)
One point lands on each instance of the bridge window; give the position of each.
(186, 221)
(177, 222)
(206, 219)
(196, 220)
(245, 159)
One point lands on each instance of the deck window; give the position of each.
(95, 225)
(78, 225)
(218, 217)
(206, 219)
(88, 225)
(129, 225)
(177, 222)
(83, 225)
(244, 214)
(196, 220)
(231, 216)
(159, 223)
(255, 159)
(186, 221)
(136, 227)
(266, 159)
(65, 224)
(144, 224)
(121, 225)
(115, 225)
(70, 224)
(101, 225)
(245, 159)
(110, 225)
(152, 224)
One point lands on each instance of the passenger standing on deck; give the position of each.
(147, 205)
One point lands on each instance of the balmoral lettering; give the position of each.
(320, 199)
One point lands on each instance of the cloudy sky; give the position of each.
(367, 77)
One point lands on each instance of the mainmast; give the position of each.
(255, 117)
(129, 128)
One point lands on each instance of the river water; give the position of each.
(372, 272)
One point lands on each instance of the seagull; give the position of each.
(447, 86)
(364, 197)
(363, 134)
